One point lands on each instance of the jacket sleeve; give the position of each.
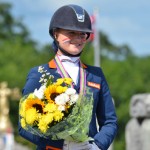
(106, 117)
(31, 84)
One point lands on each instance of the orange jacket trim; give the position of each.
(52, 148)
(52, 64)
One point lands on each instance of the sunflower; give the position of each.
(34, 103)
(50, 107)
(31, 95)
(61, 89)
(31, 116)
(58, 115)
(23, 123)
(22, 109)
(42, 125)
(68, 81)
(59, 81)
(50, 92)
(44, 122)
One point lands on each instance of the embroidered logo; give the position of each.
(95, 85)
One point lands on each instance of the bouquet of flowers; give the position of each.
(56, 111)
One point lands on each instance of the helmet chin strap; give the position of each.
(64, 51)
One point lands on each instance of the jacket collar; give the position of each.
(52, 64)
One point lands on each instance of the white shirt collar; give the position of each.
(72, 59)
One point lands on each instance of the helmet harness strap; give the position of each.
(64, 51)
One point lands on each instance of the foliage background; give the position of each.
(126, 73)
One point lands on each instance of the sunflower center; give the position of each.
(53, 95)
(38, 107)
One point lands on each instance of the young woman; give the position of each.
(70, 27)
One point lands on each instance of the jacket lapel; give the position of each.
(52, 64)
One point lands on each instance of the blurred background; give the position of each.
(121, 40)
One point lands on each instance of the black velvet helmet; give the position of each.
(71, 17)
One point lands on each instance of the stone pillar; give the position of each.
(137, 132)
(4, 108)
(145, 136)
(110, 147)
(133, 138)
(5, 93)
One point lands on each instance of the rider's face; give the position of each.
(71, 41)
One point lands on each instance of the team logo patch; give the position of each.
(95, 85)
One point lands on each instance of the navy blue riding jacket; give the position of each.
(103, 108)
